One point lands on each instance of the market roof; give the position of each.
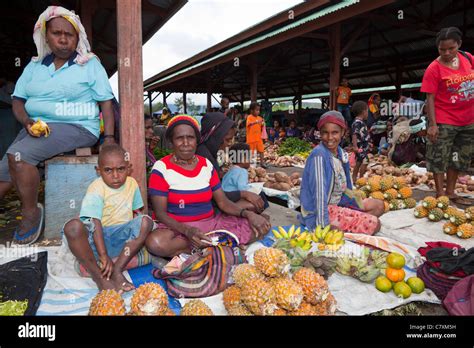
(17, 19)
(378, 38)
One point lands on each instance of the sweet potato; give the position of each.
(295, 175)
(281, 177)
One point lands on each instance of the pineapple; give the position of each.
(361, 182)
(465, 231)
(420, 212)
(107, 302)
(289, 294)
(331, 305)
(390, 194)
(386, 206)
(399, 183)
(469, 213)
(306, 309)
(448, 212)
(405, 192)
(450, 228)
(373, 184)
(410, 203)
(314, 286)
(259, 297)
(396, 204)
(435, 215)
(196, 308)
(244, 272)
(387, 182)
(231, 297)
(239, 310)
(377, 195)
(366, 190)
(429, 202)
(443, 202)
(271, 262)
(149, 299)
(458, 218)
(280, 312)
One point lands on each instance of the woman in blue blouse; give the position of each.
(64, 87)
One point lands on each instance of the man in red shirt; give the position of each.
(449, 84)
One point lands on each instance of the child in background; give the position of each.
(254, 127)
(106, 227)
(360, 139)
(343, 94)
(237, 178)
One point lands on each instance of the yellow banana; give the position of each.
(302, 236)
(291, 231)
(306, 247)
(300, 243)
(293, 243)
(276, 234)
(318, 231)
(325, 231)
(338, 236)
(314, 238)
(298, 231)
(283, 232)
(328, 238)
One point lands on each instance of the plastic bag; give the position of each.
(25, 279)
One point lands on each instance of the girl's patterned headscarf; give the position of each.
(83, 48)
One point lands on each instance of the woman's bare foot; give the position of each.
(104, 284)
(121, 283)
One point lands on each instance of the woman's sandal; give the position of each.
(462, 200)
(33, 234)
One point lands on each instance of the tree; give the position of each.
(178, 102)
(154, 107)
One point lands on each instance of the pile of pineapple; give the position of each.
(460, 222)
(394, 191)
(148, 299)
(267, 288)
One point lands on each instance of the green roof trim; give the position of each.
(354, 91)
(312, 17)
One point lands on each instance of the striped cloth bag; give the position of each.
(203, 274)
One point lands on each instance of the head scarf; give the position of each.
(332, 117)
(418, 127)
(183, 119)
(214, 127)
(83, 48)
(372, 106)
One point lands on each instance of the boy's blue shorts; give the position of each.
(115, 237)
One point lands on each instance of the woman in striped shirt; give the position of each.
(182, 186)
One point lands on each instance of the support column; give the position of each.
(130, 78)
(185, 104)
(88, 8)
(150, 103)
(164, 99)
(209, 100)
(334, 63)
(253, 79)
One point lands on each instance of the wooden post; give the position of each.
(253, 74)
(334, 63)
(399, 80)
(150, 103)
(130, 78)
(164, 100)
(209, 100)
(185, 106)
(88, 8)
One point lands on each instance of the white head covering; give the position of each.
(39, 34)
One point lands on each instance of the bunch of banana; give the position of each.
(365, 267)
(329, 240)
(293, 232)
(39, 128)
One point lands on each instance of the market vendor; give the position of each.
(217, 135)
(65, 73)
(182, 186)
(326, 182)
(447, 83)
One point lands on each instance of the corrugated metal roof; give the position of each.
(312, 17)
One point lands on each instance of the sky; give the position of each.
(199, 25)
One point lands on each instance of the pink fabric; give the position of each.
(238, 226)
(349, 220)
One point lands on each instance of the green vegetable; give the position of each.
(11, 308)
(293, 146)
(160, 153)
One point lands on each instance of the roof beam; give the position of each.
(354, 37)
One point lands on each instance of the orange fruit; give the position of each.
(395, 275)
(383, 284)
(395, 260)
(401, 289)
(416, 285)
